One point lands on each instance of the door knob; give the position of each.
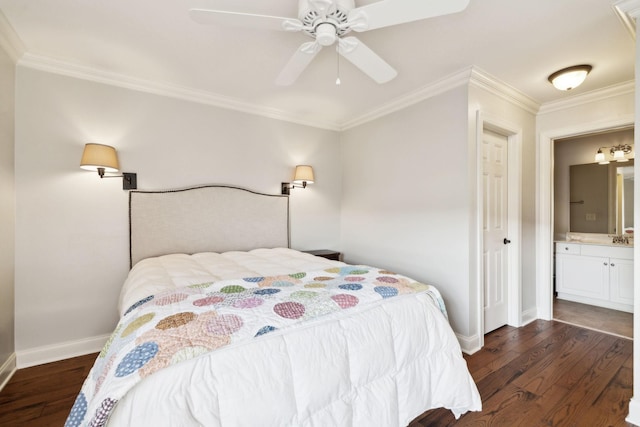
(506, 241)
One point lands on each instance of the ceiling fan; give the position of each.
(328, 21)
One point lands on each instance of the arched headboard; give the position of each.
(210, 218)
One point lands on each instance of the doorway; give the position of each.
(507, 134)
(545, 205)
(592, 199)
(495, 184)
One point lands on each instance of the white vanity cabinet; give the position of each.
(595, 274)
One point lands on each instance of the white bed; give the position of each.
(265, 335)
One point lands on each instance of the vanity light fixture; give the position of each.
(103, 158)
(619, 153)
(302, 176)
(570, 77)
(600, 158)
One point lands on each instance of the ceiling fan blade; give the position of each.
(249, 20)
(386, 13)
(366, 60)
(297, 63)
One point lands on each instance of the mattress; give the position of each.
(274, 337)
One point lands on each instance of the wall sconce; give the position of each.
(569, 78)
(103, 158)
(618, 153)
(302, 177)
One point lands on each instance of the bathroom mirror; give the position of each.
(601, 198)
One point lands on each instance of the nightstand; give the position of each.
(325, 253)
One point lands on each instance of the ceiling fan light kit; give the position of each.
(326, 34)
(328, 21)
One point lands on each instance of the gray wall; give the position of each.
(404, 206)
(72, 227)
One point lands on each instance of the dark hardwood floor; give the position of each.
(544, 374)
(547, 374)
(43, 395)
(601, 319)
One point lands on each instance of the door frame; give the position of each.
(513, 133)
(544, 202)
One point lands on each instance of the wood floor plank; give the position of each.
(490, 364)
(592, 376)
(512, 338)
(598, 318)
(509, 407)
(571, 409)
(558, 363)
(612, 405)
(43, 395)
(527, 360)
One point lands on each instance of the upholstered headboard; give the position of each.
(211, 218)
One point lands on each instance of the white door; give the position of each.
(495, 246)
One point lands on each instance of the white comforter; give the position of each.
(155, 275)
(380, 365)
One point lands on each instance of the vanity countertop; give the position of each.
(596, 239)
(603, 243)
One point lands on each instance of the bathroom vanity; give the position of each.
(595, 273)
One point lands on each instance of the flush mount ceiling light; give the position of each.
(569, 78)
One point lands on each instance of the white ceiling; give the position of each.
(518, 42)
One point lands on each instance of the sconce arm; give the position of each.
(129, 180)
(286, 187)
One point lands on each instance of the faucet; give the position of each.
(621, 239)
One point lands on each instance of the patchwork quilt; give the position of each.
(170, 328)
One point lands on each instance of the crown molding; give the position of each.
(483, 80)
(628, 11)
(9, 40)
(471, 76)
(592, 96)
(441, 86)
(51, 65)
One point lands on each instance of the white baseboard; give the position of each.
(529, 316)
(469, 345)
(56, 352)
(7, 370)
(634, 412)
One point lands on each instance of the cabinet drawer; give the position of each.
(568, 248)
(622, 252)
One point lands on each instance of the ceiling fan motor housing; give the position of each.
(326, 30)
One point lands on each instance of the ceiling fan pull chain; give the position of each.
(338, 64)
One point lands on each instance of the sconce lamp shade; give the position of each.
(569, 78)
(600, 158)
(303, 174)
(618, 156)
(96, 156)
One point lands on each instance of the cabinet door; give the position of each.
(621, 280)
(584, 276)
